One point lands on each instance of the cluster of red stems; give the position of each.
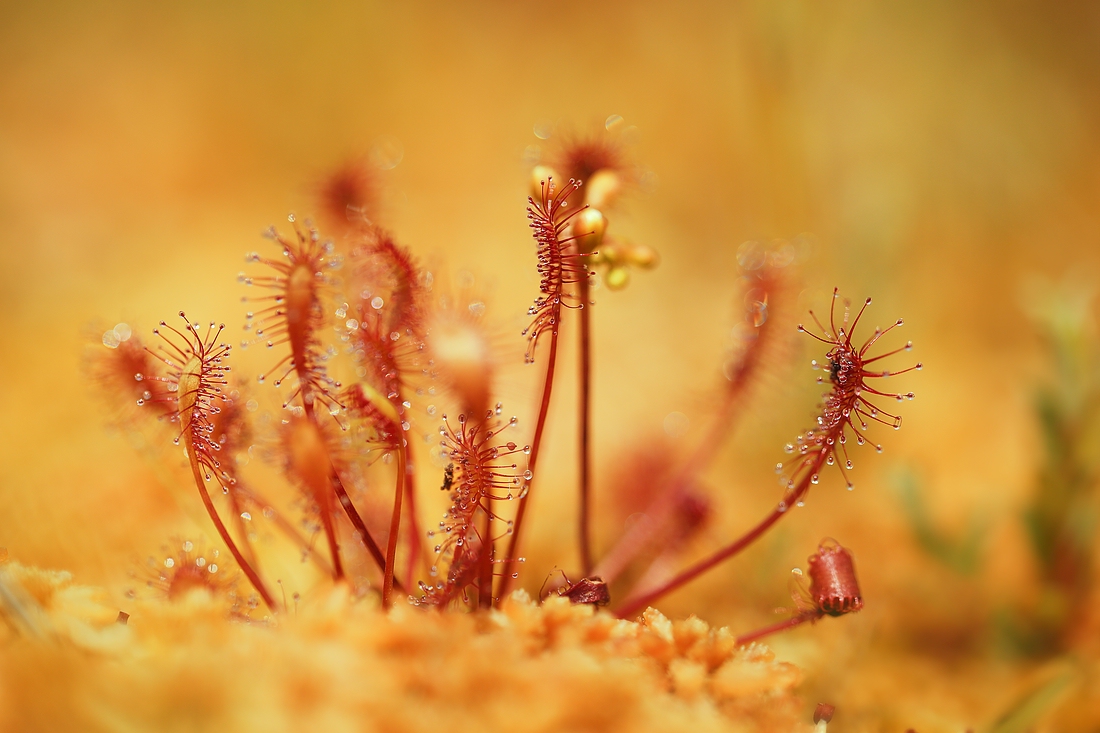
(409, 346)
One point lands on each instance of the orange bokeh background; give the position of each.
(941, 157)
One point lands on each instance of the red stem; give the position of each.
(330, 533)
(242, 528)
(633, 605)
(357, 521)
(246, 568)
(395, 523)
(585, 519)
(790, 623)
(536, 442)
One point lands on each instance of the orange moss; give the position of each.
(338, 663)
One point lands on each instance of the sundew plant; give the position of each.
(380, 398)
(364, 354)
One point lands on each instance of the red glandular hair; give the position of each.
(194, 389)
(178, 573)
(293, 313)
(480, 473)
(462, 573)
(559, 265)
(849, 403)
(386, 317)
(129, 371)
(348, 194)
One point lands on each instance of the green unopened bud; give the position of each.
(617, 278)
(642, 256)
(602, 188)
(588, 229)
(611, 253)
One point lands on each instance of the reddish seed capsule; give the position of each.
(591, 591)
(833, 584)
(586, 591)
(824, 711)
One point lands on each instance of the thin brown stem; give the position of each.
(357, 521)
(536, 443)
(584, 529)
(330, 533)
(790, 623)
(637, 603)
(395, 523)
(245, 566)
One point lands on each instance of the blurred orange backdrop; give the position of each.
(942, 158)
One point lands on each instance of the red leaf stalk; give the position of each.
(775, 628)
(559, 267)
(588, 231)
(845, 406)
(584, 529)
(389, 343)
(198, 373)
(741, 373)
(395, 524)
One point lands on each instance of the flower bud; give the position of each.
(833, 584)
(603, 188)
(588, 229)
(642, 256)
(617, 278)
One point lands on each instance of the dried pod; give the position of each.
(833, 584)
(589, 591)
(824, 712)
